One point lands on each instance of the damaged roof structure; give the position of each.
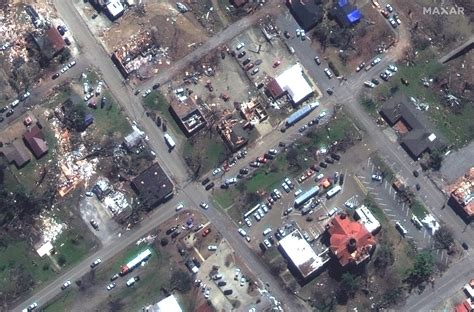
(35, 141)
(345, 13)
(153, 186)
(412, 126)
(462, 196)
(233, 133)
(50, 42)
(187, 115)
(253, 111)
(350, 241)
(301, 255)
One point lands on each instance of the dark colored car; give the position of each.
(209, 186)
(196, 262)
(103, 102)
(205, 181)
(323, 165)
(317, 60)
(404, 81)
(228, 292)
(171, 230)
(221, 283)
(137, 91)
(464, 245)
(175, 234)
(244, 171)
(335, 156)
(375, 81)
(416, 173)
(287, 34)
(55, 76)
(3, 109)
(10, 112)
(329, 160)
(282, 144)
(241, 54)
(246, 62)
(341, 179)
(155, 86)
(61, 30)
(418, 187)
(67, 41)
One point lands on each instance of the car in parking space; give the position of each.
(209, 186)
(111, 286)
(400, 228)
(15, 103)
(257, 217)
(286, 33)
(87, 97)
(254, 164)
(247, 238)
(254, 71)
(205, 181)
(392, 22)
(392, 68)
(285, 187)
(329, 160)
(114, 277)
(389, 8)
(298, 192)
(303, 128)
(3, 109)
(64, 69)
(328, 73)
(384, 13)
(341, 179)
(249, 66)
(241, 54)
(322, 114)
(375, 81)
(272, 151)
(288, 211)
(336, 156)
(96, 263)
(278, 193)
(244, 171)
(303, 34)
(376, 177)
(242, 232)
(264, 208)
(323, 165)
(416, 173)
(71, 64)
(317, 60)
(137, 91)
(212, 247)
(240, 46)
(66, 285)
(360, 66)
(267, 231)
(216, 171)
(397, 19)
(376, 61)
(246, 62)
(267, 243)
(248, 222)
(298, 32)
(289, 183)
(179, 207)
(384, 76)
(204, 205)
(369, 84)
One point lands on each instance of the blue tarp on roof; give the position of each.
(354, 16)
(342, 3)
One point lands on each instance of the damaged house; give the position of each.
(50, 43)
(233, 132)
(187, 115)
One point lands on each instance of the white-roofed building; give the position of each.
(114, 9)
(293, 82)
(365, 217)
(169, 304)
(301, 255)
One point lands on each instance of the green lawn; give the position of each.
(268, 177)
(110, 119)
(225, 198)
(456, 127)
(376, 210)
(18, 259)
(205, 151)
(418, 209)
(63, 301)
(71, 247)
(156, 101)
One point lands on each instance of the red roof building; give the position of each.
(462, 196)
(465, 306)
(35, 141)
(350, 242)
(50, 43)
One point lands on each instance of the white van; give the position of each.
(333, 211)
(401, 229)
(292, 50)
(267, 231)
(298, 192)
(130, 282)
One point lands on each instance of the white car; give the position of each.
(333, 211)
(298, 192)
(242, 232)
(26, 95)
(111, 286)
(240, 46)
(204, 205)
(212, 247)
(64, 69)
(206, 293)
(72, 64)
(146, 93)
(392, 22)
(285, 187)
(179, 207)
(216, 171)
(257, 216)
(267, 243)
(66, 285)
(389, 8)
(14, 103)
(397, 19)
(32, 306)
(237, 273)
(369, 84)
(328, 73)
(248, 222)
(98, 90)
(376, 177)
(303, 35)
(247, 238)
(376, 61)
(96, 263)
(392, 68)
(87, 97)
(298, 32)
(322, 114)
(242, 281)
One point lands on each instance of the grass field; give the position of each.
(63, 302)
(157, 102)
(418, 209)
(456, 127)
(110, 119)
(72, 247)
(388, 173)
(205, 151)
(17, 258)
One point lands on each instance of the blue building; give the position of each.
(345, 13)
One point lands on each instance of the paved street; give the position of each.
(193, 193)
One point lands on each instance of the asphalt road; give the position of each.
(192, 193)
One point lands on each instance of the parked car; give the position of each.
(303, 128)
(248, 222)
(377, 177)
(240, 46)
(246, 62)
(114, 277)
(384, 13)
(206, 232)
(55, 76)
(216, 171)
(242, 232)
(328, 73)
(241, 54)
(204, 205)
(212, 247)
(96, 263)
(254, 71)
(111, 286)
(72, 64)
(179, 207)
(66, 285)
(392, 22)
(389, 8)
(376, 61)
(209, 186)
(317, 60)
(147, 92)
(155, 86)
(361, 65)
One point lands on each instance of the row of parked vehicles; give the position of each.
(10, 108)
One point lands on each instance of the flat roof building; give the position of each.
(113, 9)
(187, 115)
(301, 255)
(292, 82)
(169, 304)
(308, 13)
(153, 186)
(364, 216)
